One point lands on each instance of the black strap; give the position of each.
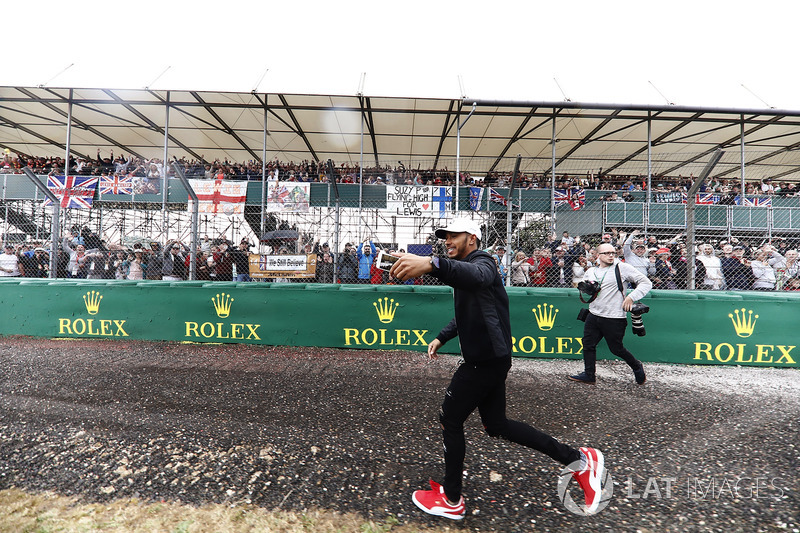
(619, 280)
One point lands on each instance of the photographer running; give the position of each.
(607, 311)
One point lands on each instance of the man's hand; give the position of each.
(433, 348)
(627, 304)
(410, 266)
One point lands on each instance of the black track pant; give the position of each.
(484, 388)
(612, 330)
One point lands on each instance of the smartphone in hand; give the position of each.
(386, 260)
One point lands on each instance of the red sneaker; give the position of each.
(435, 502)
(590, 478)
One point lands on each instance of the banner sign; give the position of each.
(683, 327)
(283, 266)
(219, 197)
(419, 200)
(288, 197)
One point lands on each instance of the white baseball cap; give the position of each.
(460, 225)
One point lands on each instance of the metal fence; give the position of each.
(552, 220)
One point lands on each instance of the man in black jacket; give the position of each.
(483, 325)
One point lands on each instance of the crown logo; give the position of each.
(222, 304)
(92, 302)
(386, 309)
(545, 317)
(744, 324)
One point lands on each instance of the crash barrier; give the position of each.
(684, 327)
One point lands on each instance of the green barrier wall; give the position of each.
(682, 327)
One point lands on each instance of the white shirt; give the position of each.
(608, 303)
(9, 262)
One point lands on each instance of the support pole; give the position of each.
(553, 176)
(165, 167)
(460, 125)
(195, 216)
(509, 209)
(690, 205)
(263, 218)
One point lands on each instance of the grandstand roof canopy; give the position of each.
(418, 132)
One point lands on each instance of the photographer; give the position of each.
(607, 310)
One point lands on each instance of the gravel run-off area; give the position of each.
(694, 449)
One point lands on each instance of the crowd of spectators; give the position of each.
(313, 171)
(735, 264)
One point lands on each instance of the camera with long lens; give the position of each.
(589, 288)
(637, 325)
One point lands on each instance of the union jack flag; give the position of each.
(707, 199)
(757, 202)
(72, 191)
(575, 198)
(560, 197)
(496, 197)
(116, 185)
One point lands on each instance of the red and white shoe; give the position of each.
(435, 502)
(590, 478)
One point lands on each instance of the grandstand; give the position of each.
(378, 141)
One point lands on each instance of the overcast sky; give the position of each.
(690, 53)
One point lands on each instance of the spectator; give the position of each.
(559, 274)
(10, 265)
(377, 276)
(714, 279)
(365, 260)
(39, 264)
(325, 268)
(155, 261)
(135, 265)
(681, 267)
(348, 265)
(519, 270)
(763, 273)
(241, 260)
(77, 266)
(635, 256)
(117, 264)
(786, 268)
(224, 263)
(579, 268)
(664, 277)
(738, 275)
(566, 240)
(97, 265)
(540, 262)
(201, 269)
(174, 266)
(500, 259)
(26, 258)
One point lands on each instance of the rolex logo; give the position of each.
(386, 309)
(545, 317)
(744, 324)
(92, 302)
(222, 304)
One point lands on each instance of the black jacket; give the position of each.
(482, 322)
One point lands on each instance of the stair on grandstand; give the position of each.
(22, 221)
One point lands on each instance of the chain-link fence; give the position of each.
(543, 228)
